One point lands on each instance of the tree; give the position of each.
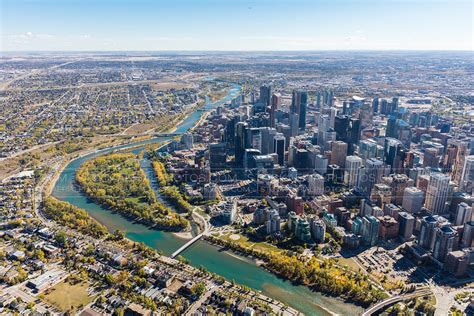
(198, 289)
(61, 239)
(119, 235)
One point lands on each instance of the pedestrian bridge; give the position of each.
(186, 245)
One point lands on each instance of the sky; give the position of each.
(235, 25)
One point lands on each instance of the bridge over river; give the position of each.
(186, 245)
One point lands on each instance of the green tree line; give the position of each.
(71, 216)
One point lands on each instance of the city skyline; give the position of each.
(209, 25)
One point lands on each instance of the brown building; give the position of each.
(456, 263)
(388, 228)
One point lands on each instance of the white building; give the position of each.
(273, 222)
(437, 193)
(315, 185)
(229, 211)
(353, 165)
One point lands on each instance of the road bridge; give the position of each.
(395, 299)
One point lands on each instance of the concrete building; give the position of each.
(370, 230)
(187, 140)
(427, 236)
(463, 214)
(229, 211)
(412, 200)
(437, 193)
(315, 185)
(457, 263)
(370, 175)
(406, 223)
(352, 168)
(445, 242)
(321, 164)
(468, 235)
(318, 229)
(302, 231)
(338, 153)
(388, 227)
(467, 178)
(273, 222)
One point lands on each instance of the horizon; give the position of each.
(170, 51)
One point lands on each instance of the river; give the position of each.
(228, 265)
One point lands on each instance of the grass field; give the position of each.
(68, 297)
(350, 263)
(244, 241)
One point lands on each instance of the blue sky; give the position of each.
(236, 24)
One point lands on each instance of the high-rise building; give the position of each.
(338, 153)
(265, 94)
(298, 106)
(461, 155)
(366, 115)
(326, 139)
(431, 158)
(370, 230)
(391, 210)
(294, 123)
(468, 234)
(381, 194)
(356, 226)
(446, 239)
(388, 227)
(315, 185)
(412, 200)
(391, 126)
(229, 211)
(241, 142)
(456, 199)
(187, 140)
(321, 164)
(279, 144)
(394, 155)
(467, 178)
(375, 104)
(266, 138)
(407, 224)
(404, 133)
(318, 100)
(273, 222)
(427, 236)
(367, 149)
(370, 175)
(437, 193)
(318, 229)
(276, 103)
(463, 214)
(302, 230)
(217, 156)
(352, 168)
(457, 263)
(398, 183)
(347, 130)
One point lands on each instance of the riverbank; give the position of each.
(201, 253)
(184, 235)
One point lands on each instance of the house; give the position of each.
(134, 309)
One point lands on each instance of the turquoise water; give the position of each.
(226, 264)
